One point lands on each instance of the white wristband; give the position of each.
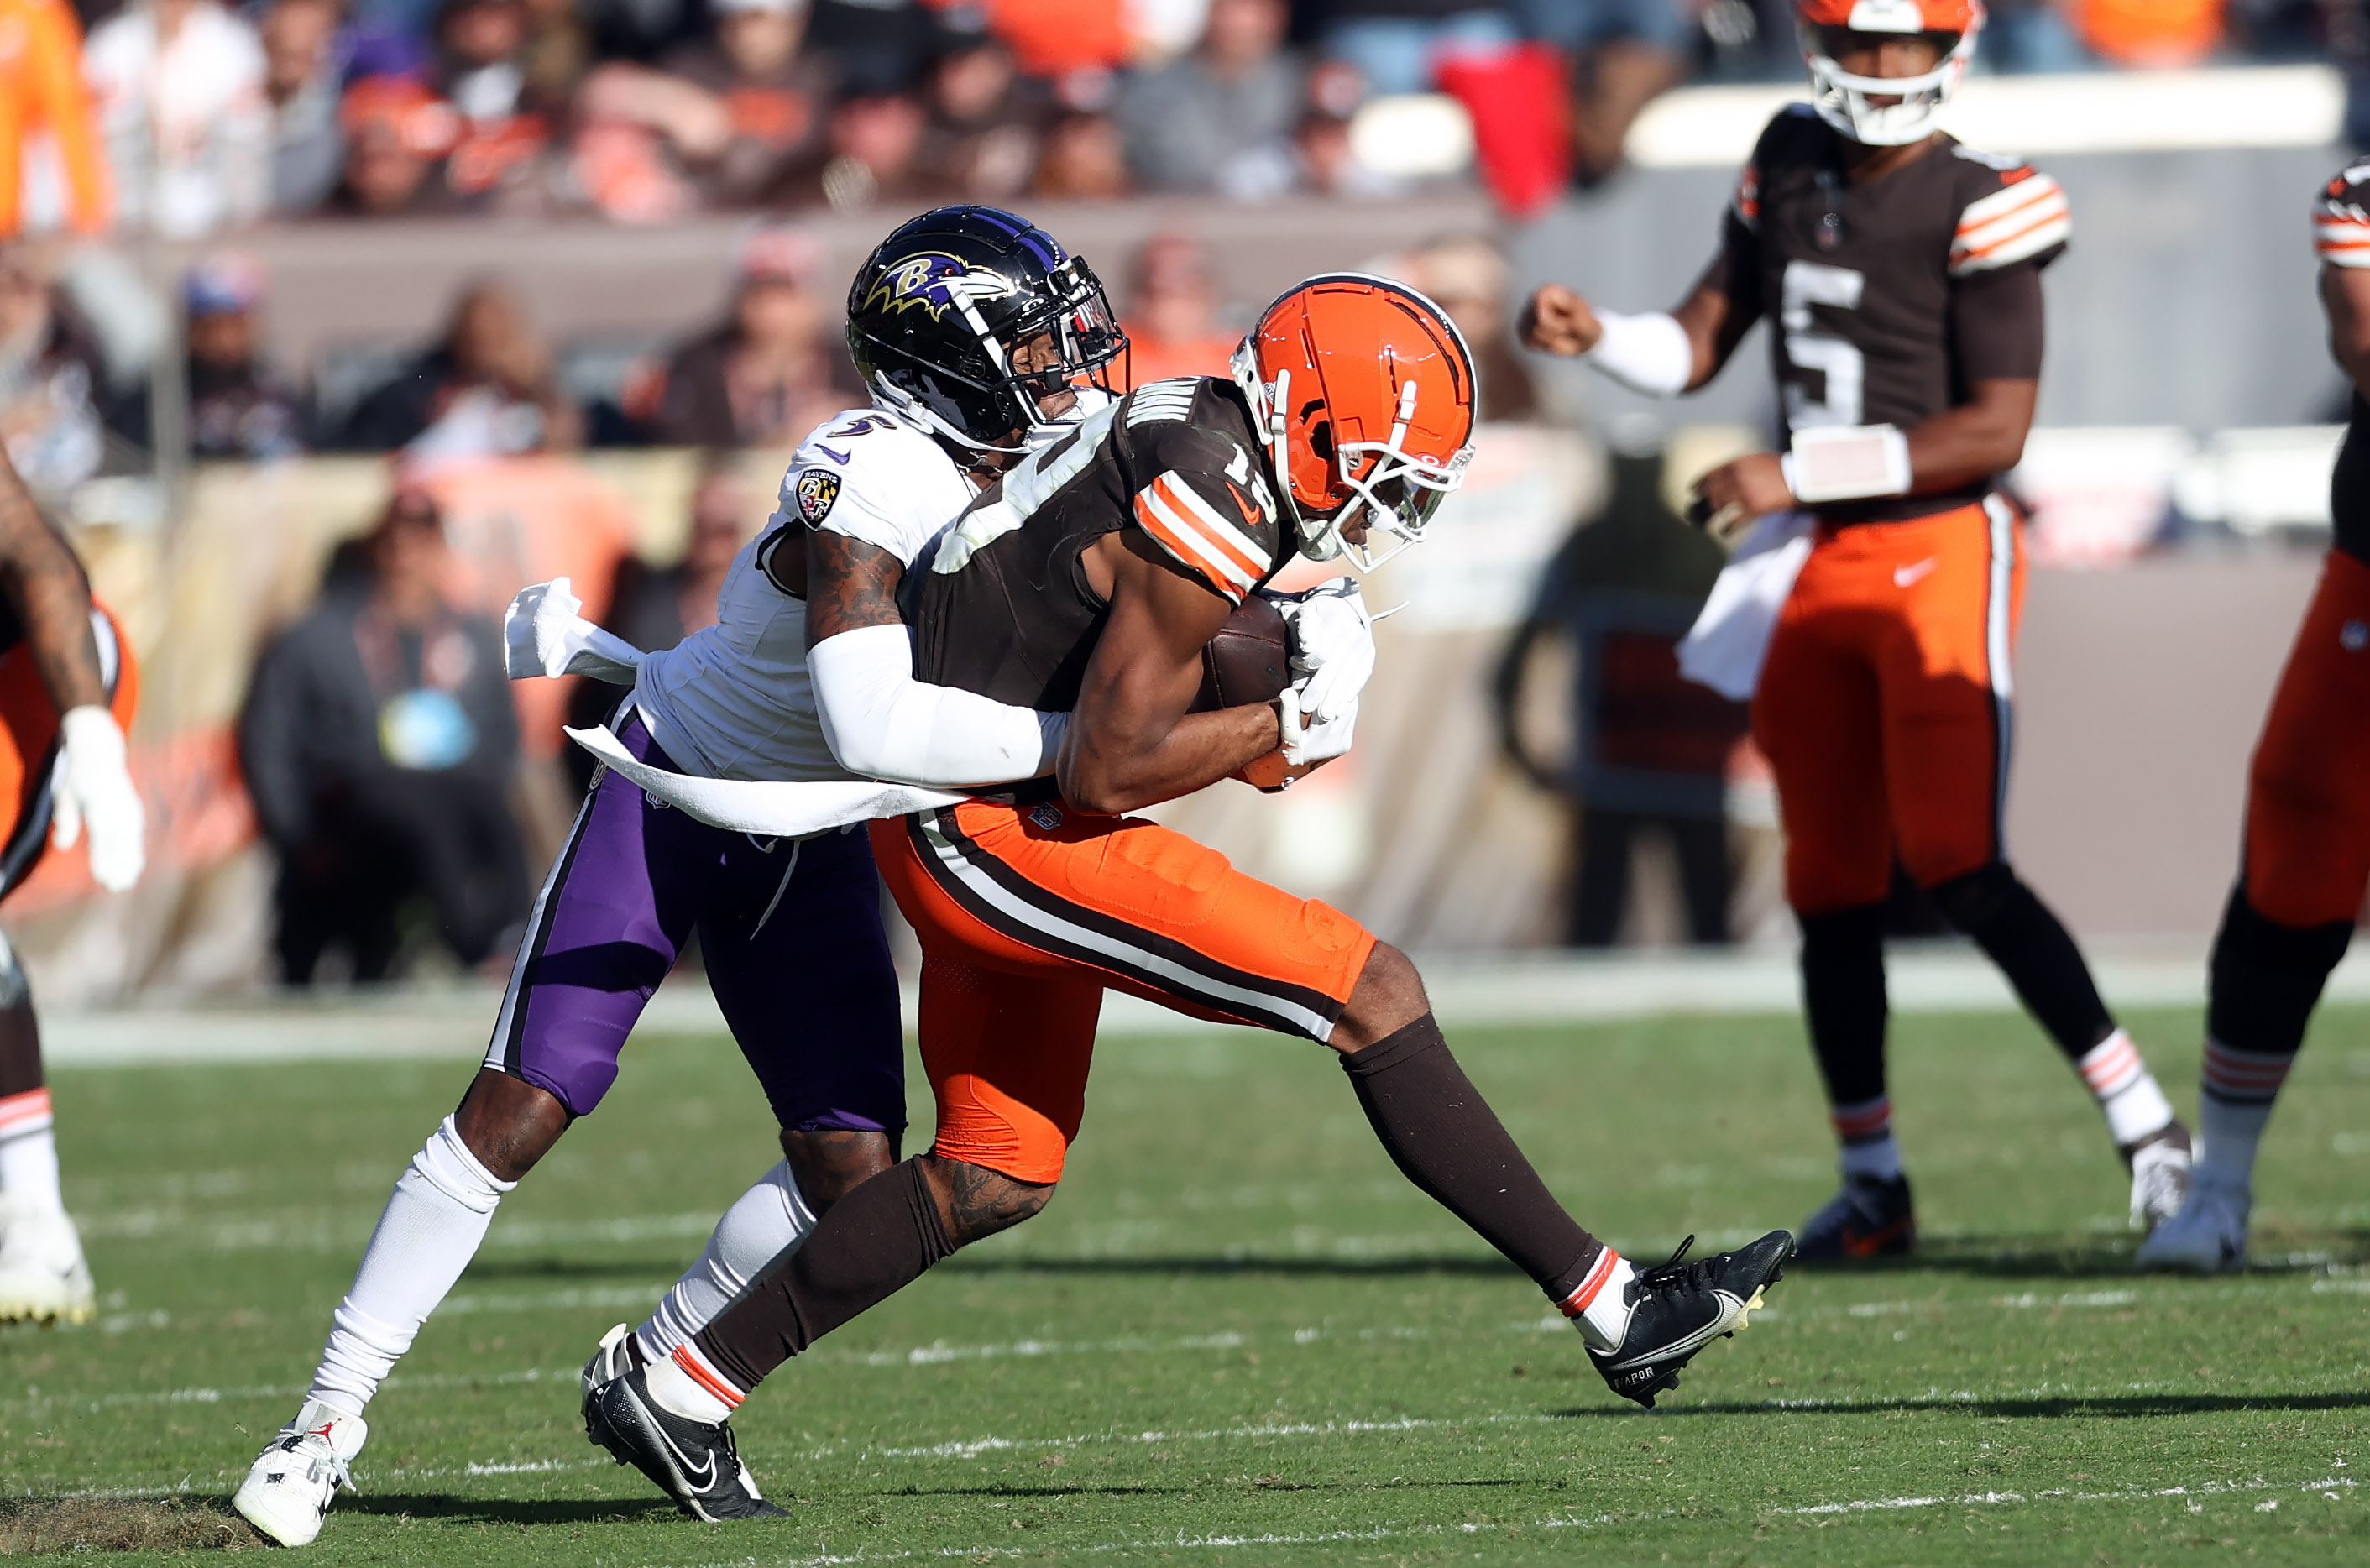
(1849, 463)
(1648, 353)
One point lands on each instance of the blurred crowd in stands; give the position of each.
(190, 116)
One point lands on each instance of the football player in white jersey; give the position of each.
(791, 930)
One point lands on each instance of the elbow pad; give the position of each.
(1646, 353)
(884, 724)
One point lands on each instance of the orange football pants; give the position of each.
(2308, 855)
(29, 729)
(1027, 914)
(1884, 702)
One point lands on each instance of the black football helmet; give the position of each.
(937, 309)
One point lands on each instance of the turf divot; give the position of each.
(37, 1526)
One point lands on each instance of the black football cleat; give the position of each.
(1871, 1218)
(619, 1354)
(696, 1464)
(1677, 1308)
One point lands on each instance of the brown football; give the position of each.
(1249, 660)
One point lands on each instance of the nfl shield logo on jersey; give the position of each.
(817, 488)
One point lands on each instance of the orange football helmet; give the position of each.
(1363, 390)
(1846, 102)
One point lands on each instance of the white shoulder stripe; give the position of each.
(2050, 231)
(2000, 204)
(1179, 536)
(1216, 524)
(1975, 241)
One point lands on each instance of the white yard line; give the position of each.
(2330, 1489)
(1471, 994)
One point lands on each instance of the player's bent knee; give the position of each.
(508, 1123)
(831, 1163)
(1388, 997)
(1973, 902)
(977, 1201)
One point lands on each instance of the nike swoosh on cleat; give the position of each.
(706, 1476)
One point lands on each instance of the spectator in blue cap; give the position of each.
(239, 406)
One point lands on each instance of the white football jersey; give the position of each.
(733, 701)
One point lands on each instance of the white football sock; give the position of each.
(1600, 1308)
(1878, 1157)
(685, 1384)
(765, 1225)
(1865, 1130)
(430, 1230)
(2232, 1134)
(2126, 1091)
(28, 1152)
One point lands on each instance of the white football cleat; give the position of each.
(42, 1276)
(287, 1489)
(2209, 1234)
(2159, 1177)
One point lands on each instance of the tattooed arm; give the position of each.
(43, 583)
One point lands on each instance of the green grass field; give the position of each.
(1238, 1336)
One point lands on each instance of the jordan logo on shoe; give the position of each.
(1907, 577)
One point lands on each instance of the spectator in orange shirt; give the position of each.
(1172, 321)
(41, 96)
(1054, 38)
(2150, 33)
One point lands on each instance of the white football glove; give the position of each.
(92, 787)
(1332, 648)
(544, 633)
(1310, 739)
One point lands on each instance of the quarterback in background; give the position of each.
(2305, 865)
(67, 688)
(1903, 270)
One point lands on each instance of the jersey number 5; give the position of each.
(1821, 354)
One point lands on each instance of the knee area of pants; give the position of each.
(2250, 935)
(1843, 931)
(1973, 901)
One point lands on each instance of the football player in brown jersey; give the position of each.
(2305, 863)
(67, 688)
(1902, 272)
(1088, 580)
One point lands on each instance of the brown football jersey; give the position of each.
(1000, 604)
(1889, 297)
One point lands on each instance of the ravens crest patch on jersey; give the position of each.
(816, 491)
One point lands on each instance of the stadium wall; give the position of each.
(2140, 691)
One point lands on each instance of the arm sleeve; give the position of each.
(1996, 323)
(884, 724)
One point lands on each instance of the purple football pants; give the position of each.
(790, 932)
